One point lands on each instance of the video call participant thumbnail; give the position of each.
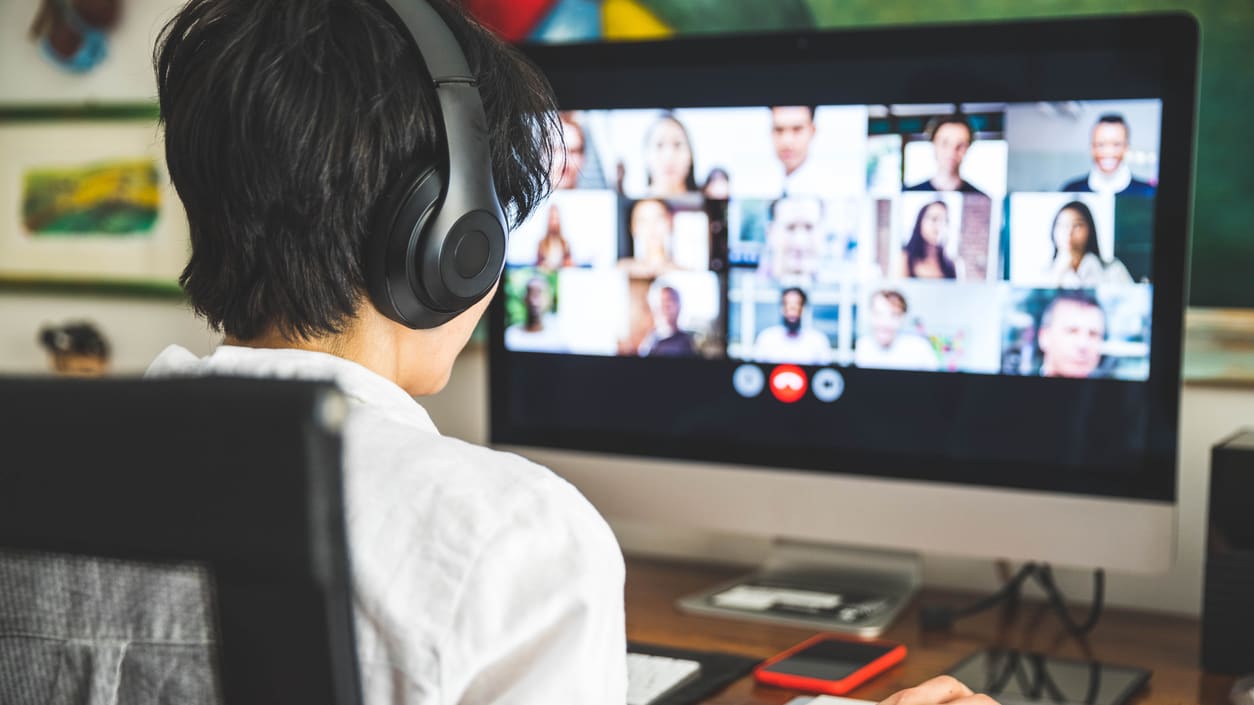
(791, 340)
(923, 256)
(1078, 260)
(666, 339)
(1110, 174)
(951, 138)
(651, 223)
(794, 240)
(888, 346)
(538, 331)
(1072, 329)
(792, 132)
(668, 158)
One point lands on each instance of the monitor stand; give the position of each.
(835, 588)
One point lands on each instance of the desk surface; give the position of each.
(1166, 644)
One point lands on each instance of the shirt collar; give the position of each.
(1113, 183)
(359, 384)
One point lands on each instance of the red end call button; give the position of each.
(788, 383)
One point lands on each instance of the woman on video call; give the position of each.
(1078, 260)
(668, 158)
(924, 252)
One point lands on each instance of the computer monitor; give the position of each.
(918, 288)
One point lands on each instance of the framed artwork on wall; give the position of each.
(85, 201)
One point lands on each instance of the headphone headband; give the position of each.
(439, 242)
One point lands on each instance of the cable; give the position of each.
(933, 617)
(936, 617)
(1045, 576)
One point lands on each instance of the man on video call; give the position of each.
(791, 340)
(479, 577)
(888, 346)
(1072, 329)
(951, 137)
(1109, 146)
(794, 240)
(792, 131)
(666, 339)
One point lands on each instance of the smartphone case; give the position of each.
(895, 654)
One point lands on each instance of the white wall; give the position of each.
(137, 328)
(124, 76)
(1208, 414)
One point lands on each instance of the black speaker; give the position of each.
(1228, 598)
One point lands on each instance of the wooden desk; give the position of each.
(1167, 645)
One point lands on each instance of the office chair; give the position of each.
(239, 475)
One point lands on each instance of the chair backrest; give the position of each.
(241, 475)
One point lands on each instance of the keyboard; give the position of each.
(652, 677)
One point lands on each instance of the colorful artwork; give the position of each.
(85, 201)
(540, 20)
(109, 199)
(75, 35)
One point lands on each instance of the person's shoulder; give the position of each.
(389, 462)
(817, 337)
(1079, 185)
(918, 346)
(969, 189)
(1138, 188)
(771, 333)
(925, 185)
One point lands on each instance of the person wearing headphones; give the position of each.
(314, 144)
(350, 169)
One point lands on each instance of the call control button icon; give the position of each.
(788, 383)
(827, 385)
(748, 380)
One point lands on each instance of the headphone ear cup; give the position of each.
(393, 248)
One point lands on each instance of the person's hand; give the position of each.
(941, 690)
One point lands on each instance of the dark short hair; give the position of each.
(793, 290)
(1114, 119)
(1077, 297)
(79, 338)
(811, 108)
(285, 124)
(937, 123)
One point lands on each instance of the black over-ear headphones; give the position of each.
(438, 242)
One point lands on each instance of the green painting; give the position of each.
(116, 198)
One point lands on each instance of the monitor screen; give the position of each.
(948, 263)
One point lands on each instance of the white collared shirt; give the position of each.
(805, 347)
(479, 577)
(1100, 182)
(808, 179)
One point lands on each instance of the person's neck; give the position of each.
(1076, 258)
(361, 341)
(946, 182)
(793, 170)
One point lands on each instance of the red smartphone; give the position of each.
(831, 664)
